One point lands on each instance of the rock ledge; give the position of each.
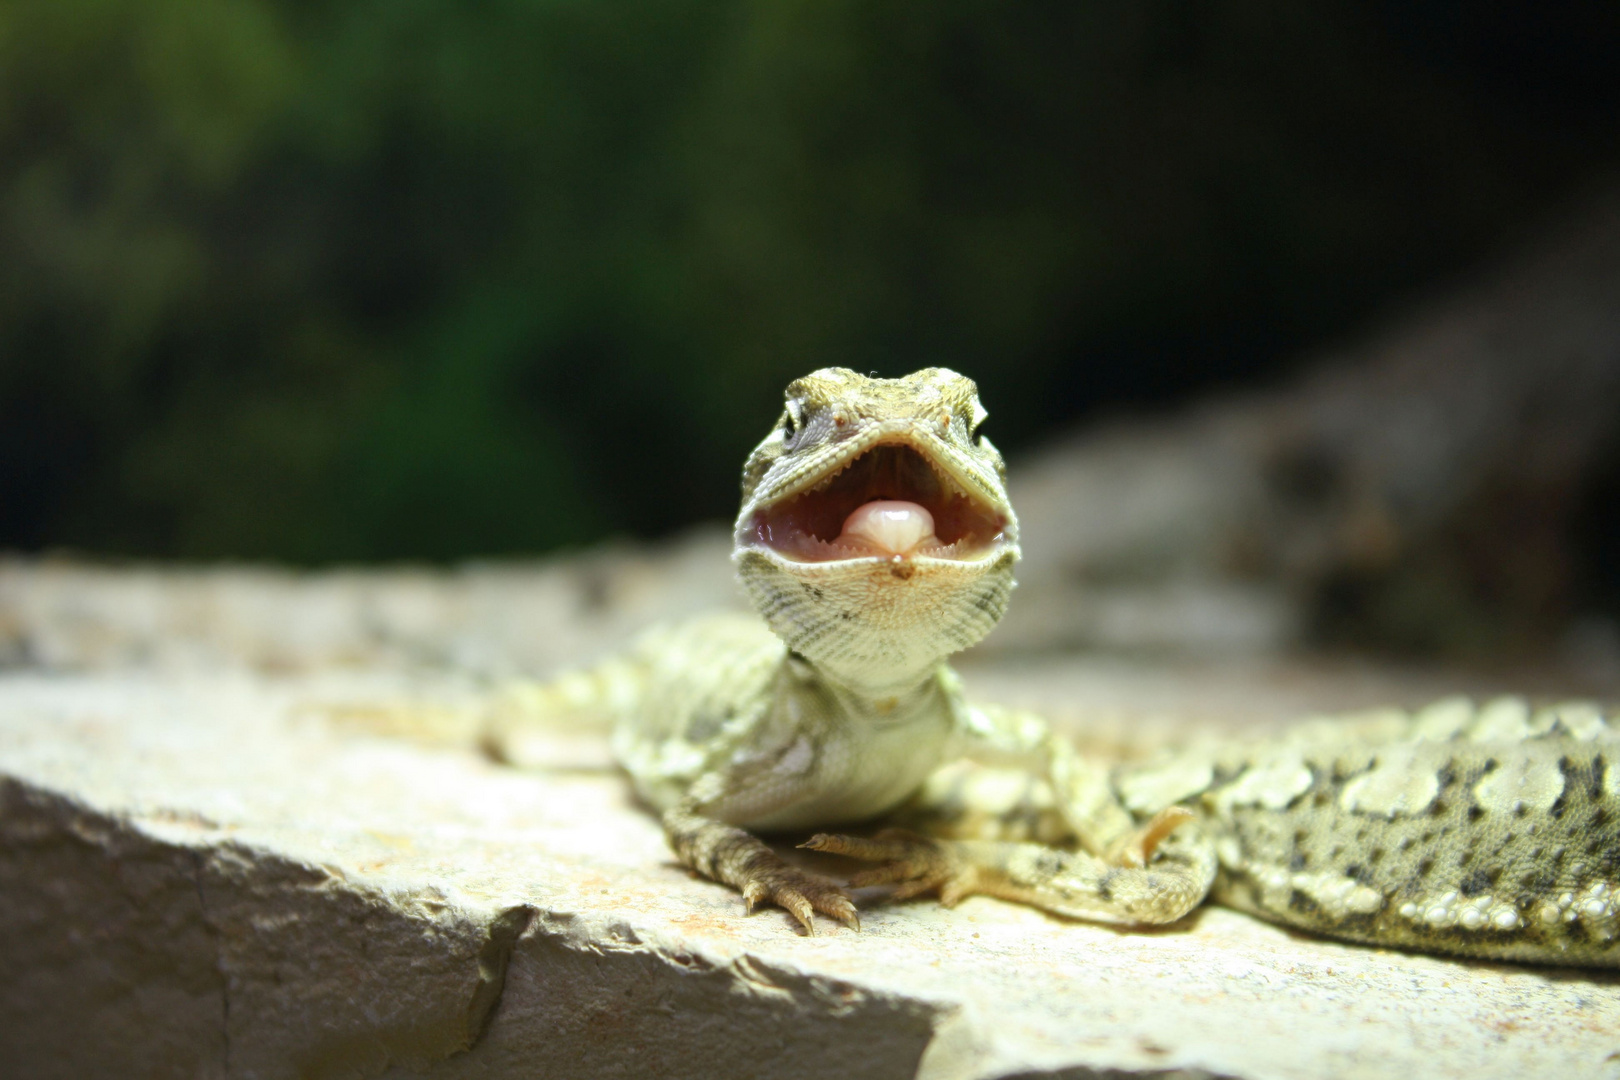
(202, 878)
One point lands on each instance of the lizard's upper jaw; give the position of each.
(891, 496)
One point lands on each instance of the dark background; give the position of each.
(405, 279)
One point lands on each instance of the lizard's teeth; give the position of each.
(892, 526)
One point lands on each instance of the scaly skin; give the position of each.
(838, 706)
(1487, 833)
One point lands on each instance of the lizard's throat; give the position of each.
(876, 625)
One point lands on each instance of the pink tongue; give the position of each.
(891, 527)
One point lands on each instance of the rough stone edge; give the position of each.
(236, 884)
(243, 893)
(602, 994)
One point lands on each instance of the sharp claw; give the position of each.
(840, 908)
(1164, 823)
(801, 908)
(801, 894)
(1136, 850)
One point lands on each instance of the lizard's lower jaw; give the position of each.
(877, 622)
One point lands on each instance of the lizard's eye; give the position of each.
(792, 421)
(979, 413)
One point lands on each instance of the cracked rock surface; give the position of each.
(204, 877)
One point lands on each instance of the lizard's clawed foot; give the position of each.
(801, 893)
(1134, 851)
(913, 864)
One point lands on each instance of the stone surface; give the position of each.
(488, 619)
(204, 877)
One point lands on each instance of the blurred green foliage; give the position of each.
(414, 278)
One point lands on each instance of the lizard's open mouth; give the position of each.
(890, 501)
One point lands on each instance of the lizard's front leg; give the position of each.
(735, 857)
(1129, 872)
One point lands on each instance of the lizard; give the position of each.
(875, 539)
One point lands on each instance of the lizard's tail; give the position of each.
(563, 720)
(436, 723)
(558, 723)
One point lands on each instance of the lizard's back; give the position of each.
(1491, 832)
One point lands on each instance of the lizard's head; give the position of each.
(875, 534)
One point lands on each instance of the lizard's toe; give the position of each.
(838, 905)
(1135, 851)
(913, 864)
(753, 893)
(800, 893)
